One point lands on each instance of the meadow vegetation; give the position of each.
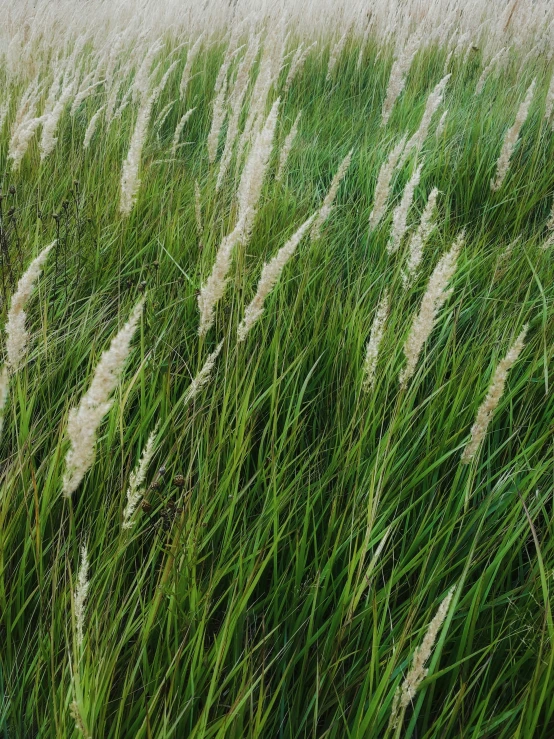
(276, 416)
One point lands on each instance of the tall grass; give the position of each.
(260, 547)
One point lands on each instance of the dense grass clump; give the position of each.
(269, 466)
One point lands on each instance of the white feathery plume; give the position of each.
(286, 148)
(489, 405)
(19, 142)
(48, 139)
(130, 181)
(433, 102)
(374, 342)
(296, 64)
(441, 124)
(336, 51)
(75, 714)
(179, 130)
(253, 174)
(433, 300)
(399, 72)
(400, 215)
(419, 238)
(191, 56)
(236, 100)
(406, 692)
(91, 128)
(218, 118)
(4, 387)
(510, 139)
(382, 188)
(213, 289)
(203, 377)
(84, 420)
(160, 120)
(549, 102)
(137, 478)
(83, 94)
(80, 596)
(326, 208)
(17, 335)
(141, 83)
(486, 71)
(198, 207)
(269, 277)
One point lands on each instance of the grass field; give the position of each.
(301, 519)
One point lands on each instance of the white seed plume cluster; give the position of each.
(50, 124)
(130, 181)
(433, 300)
(400, 215)
(300, 56)
(510, 139)
(4, 388)
(269, 277)
(549, 101)
(198, 207)
(399, 72)
(213, 289)
(382, 187)
(203, 377)
(419, 238)
(336, 51)
(84, 420)
(91, 128)
(80, 596)
(179, 130)
(374, 343)
(407, 691)
(487, 70)
(17, 336)
(496, 390)
(137, 478)
(441, 125)
(191, 56)
(286, 148)
(433, 102)
(218, 119)
(325, 210)
(253, 175)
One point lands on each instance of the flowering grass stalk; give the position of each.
(326, 208)
(374, 343)
(407, 691)
(203, 376)
(84, 420)
(496, 390)
(400, 215)
(137, 478)
(382, 188)
(419, 239)
(81, 594)
(510, 139)
(17, 336)
(433, 300)
(268, 279)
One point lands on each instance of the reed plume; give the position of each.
(191, 56)
(179, 130)
(91, 128)
(269, 277)
(17, 336)
(433, 300)
(137, 478)
(80, 596)
(382, 188)
(286, 148)
(326, 208)
(130, 181)
(419, 238)
(399, 72)
(203, 376)
(84, 420)
(510, 139)
(213, 289)
(374, 343)
(218, 119)
(406, 692)
(489, 405)
(400, 215)
(4, 388)
(336, 51)
(441, 125)
(431, 106)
